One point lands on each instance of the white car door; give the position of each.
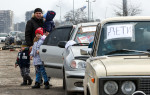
(51, 54)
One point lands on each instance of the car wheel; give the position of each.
(88, 92)
(64, 83)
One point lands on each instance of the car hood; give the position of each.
(76, 50)
(123, 65)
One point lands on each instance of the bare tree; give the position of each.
(132, 10)
(79, 16)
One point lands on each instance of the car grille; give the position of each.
(144, 85)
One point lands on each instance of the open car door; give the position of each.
(51, 54)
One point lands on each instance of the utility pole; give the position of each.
(89, 8)
(125, 12)
(73, 11)
(60, 11)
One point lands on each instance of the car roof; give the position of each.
(87, 24)
(16, 31)
(65, 26)
(126, 18)
(3, 33)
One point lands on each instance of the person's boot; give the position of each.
(37, 85)
(24, 83)
(46, 85)
(30, 81)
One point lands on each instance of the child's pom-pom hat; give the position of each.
(39, 30)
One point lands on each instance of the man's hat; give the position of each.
(38, 10)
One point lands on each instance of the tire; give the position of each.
(88, 92)
(64, 82)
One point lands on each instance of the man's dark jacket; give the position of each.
(31, 26)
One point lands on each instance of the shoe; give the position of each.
(30, 81)
(24, 83)
(46, 85)
(37, 85)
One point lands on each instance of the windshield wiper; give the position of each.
(81, 44)
(82, 57)
(128, 50)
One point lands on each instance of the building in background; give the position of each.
(28, 15)
(6, 21)
(19, 27)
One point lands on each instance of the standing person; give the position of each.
(23, 61)
(35, 22)
(39, 67)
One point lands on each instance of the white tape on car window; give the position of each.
(120, 31)
(89, 29)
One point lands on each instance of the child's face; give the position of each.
(38, 35)
(22, 48)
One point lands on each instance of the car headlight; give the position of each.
(128, 87)
(78, 64)
(110, 87)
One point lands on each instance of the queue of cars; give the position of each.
(117, 64)
(16, 37)
(67, 62)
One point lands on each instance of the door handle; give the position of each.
(44, 50)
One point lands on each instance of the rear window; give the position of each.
(59, 34)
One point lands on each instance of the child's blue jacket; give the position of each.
(35, 48)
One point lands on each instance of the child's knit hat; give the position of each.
(39, 30)
(49, 15)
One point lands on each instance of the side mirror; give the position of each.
(86, 51)
(62, 44)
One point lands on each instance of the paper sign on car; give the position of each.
(89, 29)
(119, 31)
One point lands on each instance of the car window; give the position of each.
(59, 34)
(21, 35)
(85, 34)
(13, 33)
(124, 35)
(3, 35)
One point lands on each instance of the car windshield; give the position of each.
(13, 33)
(21, 35)
(3, 35)
(124, 38)
(85, 34)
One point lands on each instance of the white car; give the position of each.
(3, 37)
(74, 62)
(51, 54)
(68, 63)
